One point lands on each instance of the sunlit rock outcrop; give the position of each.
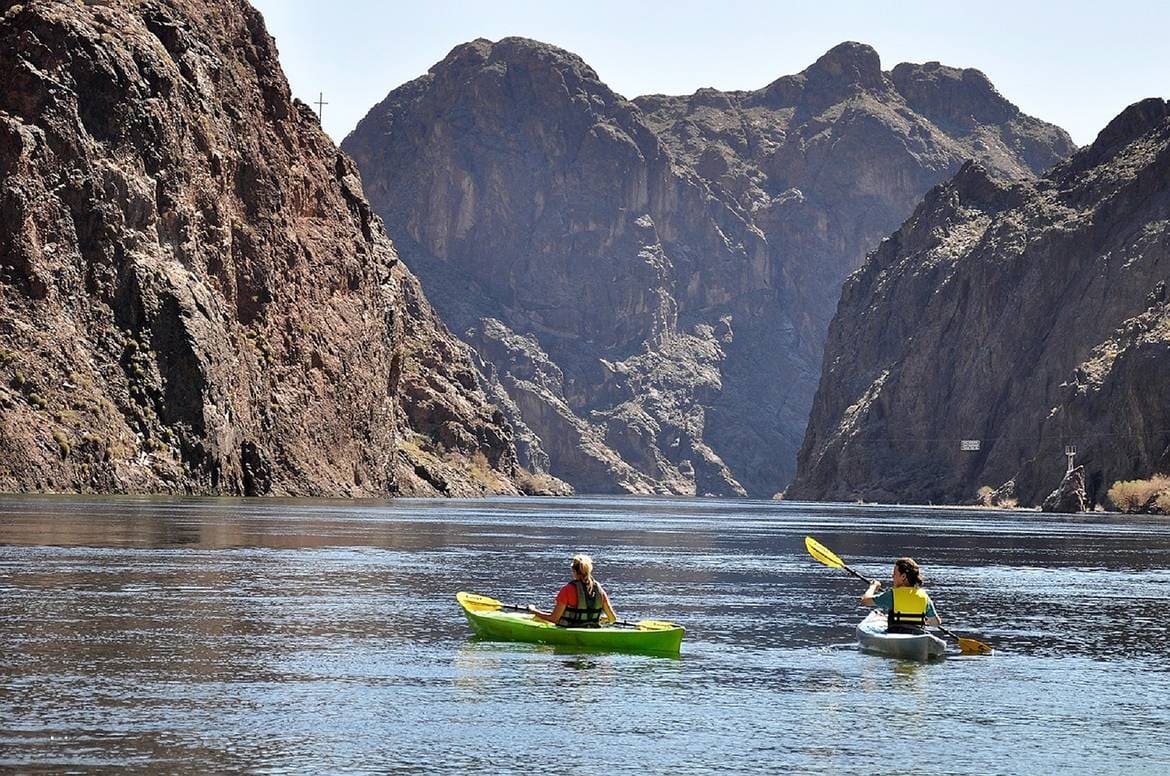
(195, 294)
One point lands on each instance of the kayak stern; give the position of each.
(872, 637)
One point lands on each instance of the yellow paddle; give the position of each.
(481, 603)
(826, 556)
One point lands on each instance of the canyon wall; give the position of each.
(649, 282)
(196, 296)
(1029, 316)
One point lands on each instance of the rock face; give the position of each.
(196, 295)
(651, 281)
(1029, 316)
(1070, 496)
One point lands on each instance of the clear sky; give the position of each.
(1073, 63)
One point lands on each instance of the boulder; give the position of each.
(1070, 496)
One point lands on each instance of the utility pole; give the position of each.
(320, 104)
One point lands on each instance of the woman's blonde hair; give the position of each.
(583, 567)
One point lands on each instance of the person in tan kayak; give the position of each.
(582, 602)
(908, 606)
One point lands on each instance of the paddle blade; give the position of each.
(974, 647)
(968, 646)
(479, 603)
(646, 624)
(822, 553)
(656, 625)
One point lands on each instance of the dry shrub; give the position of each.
(1134, 495)
(1163, 502)
(477, 466)
(482, 472)
(479, 463)
(538, 484)
(1001, 498)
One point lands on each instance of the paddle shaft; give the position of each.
(516, 608)
(854, 573)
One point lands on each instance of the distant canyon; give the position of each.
(649, 283)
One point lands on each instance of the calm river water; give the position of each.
(281, 636)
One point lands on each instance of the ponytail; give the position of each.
(583, 567)
(908, 567)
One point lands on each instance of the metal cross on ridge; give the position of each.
(320, 103)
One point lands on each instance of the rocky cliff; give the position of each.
(650, 282)
(1028, 316)
(196, 294)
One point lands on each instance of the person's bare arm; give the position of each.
(607, 610)
(870, 592)
(557, 613)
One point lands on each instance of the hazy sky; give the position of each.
(1072, 63)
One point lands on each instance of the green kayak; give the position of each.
(489, 622)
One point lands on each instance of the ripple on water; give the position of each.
(286, 636)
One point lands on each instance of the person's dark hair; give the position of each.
(908, 567)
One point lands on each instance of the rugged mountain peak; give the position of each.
(973, 188)
(513, 52)
(1129, 125)
(977, 187)
(1133, 122)
(465, 56)
(840, 72)
(951, 96)
(522, 105)
(847, 64)
(539, 197)
(710, 98)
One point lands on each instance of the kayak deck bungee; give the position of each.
(492, 624)
(872, 637)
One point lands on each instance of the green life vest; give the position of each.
(587, 612)
(908, 613)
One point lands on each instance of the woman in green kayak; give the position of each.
(909, 607)
(581, 602)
